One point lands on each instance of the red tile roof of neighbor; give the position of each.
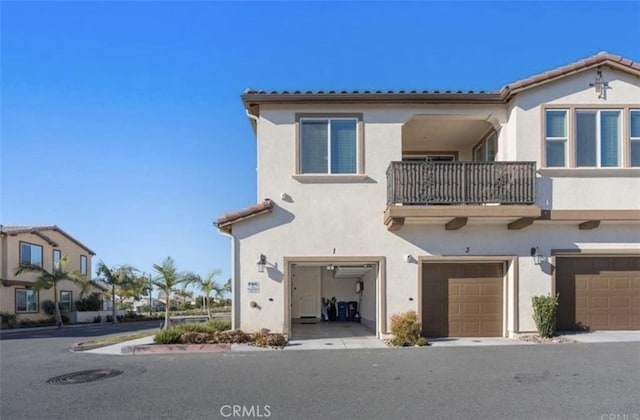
(224, 222)
(253, 97)
(38, 229)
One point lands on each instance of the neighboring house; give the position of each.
(43, 246)
(459, 205)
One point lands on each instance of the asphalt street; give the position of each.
(561, 381)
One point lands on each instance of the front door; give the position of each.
(305, 292)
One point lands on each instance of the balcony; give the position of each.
(432, 190)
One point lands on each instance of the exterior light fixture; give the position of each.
(262, 262)
(537, 258)
(330, 267)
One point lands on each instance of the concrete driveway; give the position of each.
(332, 335)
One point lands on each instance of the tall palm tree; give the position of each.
(208, 285)
(167, 280)
(47, 279)
(115, 277)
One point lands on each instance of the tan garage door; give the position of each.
(601, 293)
(462, 299)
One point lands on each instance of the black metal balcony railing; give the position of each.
(461, 183)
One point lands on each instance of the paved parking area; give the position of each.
(332, 335)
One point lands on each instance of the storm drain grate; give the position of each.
(85, 376)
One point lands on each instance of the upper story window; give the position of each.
(634, 132)
(30, 254)
(83, 265)
(597, 138)
(57, 256)
(485, 151)
(591, 138)
(329, 146)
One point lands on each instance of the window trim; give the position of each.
(625, 127)
(15, 296)
(31, 244)
(86, 265)
(631, 139)
(70, 300)
(358, 117)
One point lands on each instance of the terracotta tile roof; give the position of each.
(593, 61)
(38, 229)
(225, 221)
(252, 97)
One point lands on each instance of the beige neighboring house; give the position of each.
(44, 246)
(461, 206)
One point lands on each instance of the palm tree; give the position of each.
(115, 277)
(47, 279)
(227, 286)
(208, 285)
(167, 280)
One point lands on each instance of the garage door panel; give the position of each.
(471, 296)
(598, 292)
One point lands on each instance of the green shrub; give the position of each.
(219, 324)
(9, 320)
(422, 342)
(168, 336)
(93, 302)
(544, 314)
(405, 329)
(48, 307)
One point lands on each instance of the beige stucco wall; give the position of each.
(10, 262)
(345, 219)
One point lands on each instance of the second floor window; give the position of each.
(30, 254)
(83, 265)
(328, 146)
(635, 137)
(57, 256)
(597, 138)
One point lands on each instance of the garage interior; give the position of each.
(462, 299)
(333, 300)
(598, 293)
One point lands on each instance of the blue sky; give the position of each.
(121, 122)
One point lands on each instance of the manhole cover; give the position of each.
(84, 376)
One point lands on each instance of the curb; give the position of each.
(175, 348)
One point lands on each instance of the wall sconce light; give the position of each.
(262, 262)
(537, 258)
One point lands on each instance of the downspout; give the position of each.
(256, 119)
(235, 303)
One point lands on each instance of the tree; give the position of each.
(208, 285)
(227, 286)
(167, 280)
(47, 279)
(113, 277)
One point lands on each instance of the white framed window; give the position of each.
(556, 138)
(83, 265)
(26, 300)
(57, 256)
(634, 140)
(30, 254)
(598, 138)
(485, 151)
(66, 299)
(328, 146)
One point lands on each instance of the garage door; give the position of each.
(462, 300)
(601, 293)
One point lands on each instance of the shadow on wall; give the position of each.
(278, 217)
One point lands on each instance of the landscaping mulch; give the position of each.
(535, 338)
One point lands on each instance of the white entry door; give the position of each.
(305, 292)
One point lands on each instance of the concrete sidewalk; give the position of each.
(603, 336)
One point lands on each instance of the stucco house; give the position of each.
(43, 246)
(461, 206)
